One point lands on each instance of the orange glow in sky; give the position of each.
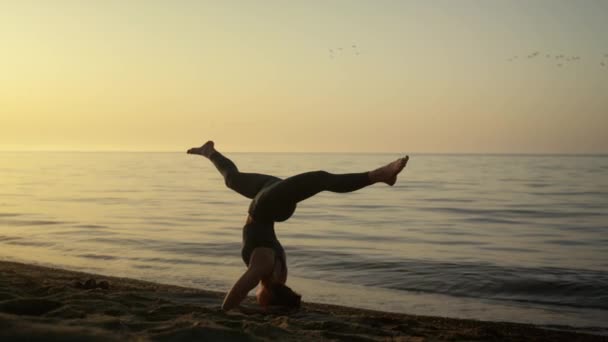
(316, 76)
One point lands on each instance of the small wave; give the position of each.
(362, 206)
(569, 242)
(457, 242)
(199, 248)
(509, 249)
(120, 190)
(9, 214)
(92, 226)
(168, 260)
(311, 236)
(9, 222)
(9, 238)
(117, 241)
(571, 193)
(458, 200)
(322, 216)
(170, 223)
(23, 242)
(547, 285)
(98, 256)
(538, 185)
(150, 267)
(580, 229)
(513, 212)
(492, 220)
(96, 200)
(533, 234)
(450, 232)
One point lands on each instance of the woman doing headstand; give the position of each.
(274, 200)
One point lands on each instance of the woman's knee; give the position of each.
(323, 178)
(229, 179)
(321, 174)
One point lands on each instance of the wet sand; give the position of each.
(41, 304)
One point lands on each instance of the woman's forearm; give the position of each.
(240, 289)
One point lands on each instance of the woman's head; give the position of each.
(278, 294)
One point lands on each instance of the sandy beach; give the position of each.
(41, 303)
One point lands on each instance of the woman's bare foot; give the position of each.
(206, 150)
(388, 173)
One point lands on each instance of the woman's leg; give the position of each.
(300, 187)
(246, 184)
(305, 185)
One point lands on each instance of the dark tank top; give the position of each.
(257, 234)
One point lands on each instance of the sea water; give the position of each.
(520, 238)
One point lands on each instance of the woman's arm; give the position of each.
(240, 289)
(260, 265)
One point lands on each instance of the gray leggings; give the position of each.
(275, 199)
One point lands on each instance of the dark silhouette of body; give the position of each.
(275, 200)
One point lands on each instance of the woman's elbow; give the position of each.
(227, 305)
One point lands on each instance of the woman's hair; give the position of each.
(278, 294)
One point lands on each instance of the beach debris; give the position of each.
(90, 284)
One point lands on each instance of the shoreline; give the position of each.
(39, 303)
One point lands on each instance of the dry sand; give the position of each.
(43, 304)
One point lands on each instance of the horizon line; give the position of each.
(597, 154)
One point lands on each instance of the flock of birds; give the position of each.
(340, 51)
(560, 60)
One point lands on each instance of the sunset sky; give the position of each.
(424, 76)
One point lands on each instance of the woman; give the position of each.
(274, 200)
